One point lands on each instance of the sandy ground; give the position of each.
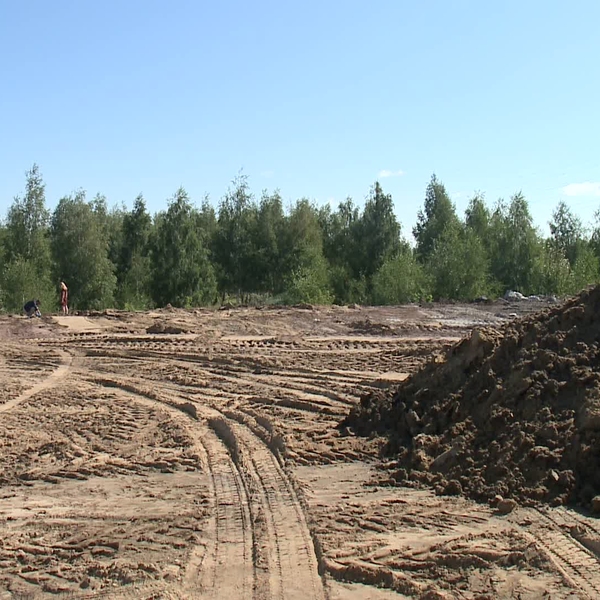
(196, 454)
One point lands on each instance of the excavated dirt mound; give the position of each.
(165, 328)
(513, 411)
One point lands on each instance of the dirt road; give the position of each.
(196, 454)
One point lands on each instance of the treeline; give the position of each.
(255, 250)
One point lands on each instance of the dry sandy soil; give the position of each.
(197, 454)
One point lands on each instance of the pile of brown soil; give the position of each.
(165, 328)
(513, 411)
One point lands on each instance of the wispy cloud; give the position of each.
(587, 188)
(388, 173)
(267, 173)
(456, 195)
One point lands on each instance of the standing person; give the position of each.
(64, 298)
(31, 308)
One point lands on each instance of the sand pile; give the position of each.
(513, 411)
(165, 328)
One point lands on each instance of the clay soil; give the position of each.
(198, 454)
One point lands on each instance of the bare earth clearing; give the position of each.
(196, 454)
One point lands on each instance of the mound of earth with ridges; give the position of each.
(513, 411)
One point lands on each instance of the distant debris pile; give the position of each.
(512, 296)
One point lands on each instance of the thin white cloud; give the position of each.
(587, 188)
(388, 173)
(267, 173)
(456, 195)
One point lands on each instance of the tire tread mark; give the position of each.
(576, 563)
(50, 381)
(226, 568)
(292, 544)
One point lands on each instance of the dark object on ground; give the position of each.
(31, 308)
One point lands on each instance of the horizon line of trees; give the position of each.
(252, 249)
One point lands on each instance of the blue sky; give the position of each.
(318, 99)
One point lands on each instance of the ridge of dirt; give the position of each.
(14, 327)
(165, 328)
(513, 411)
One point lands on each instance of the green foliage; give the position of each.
(303, 259)
(113, 226)
(234, 246)
(514, 246)
(339, 238)
(309, 284)
(302, 243)
(25, 249)
(251, 251)
(21, 282)
(437, 215)
(585, 271)
(2, 244)
(345, 288)
(357, 244)
(566, 231)
(27, 224)
(134, 269)
(134, 287)
(458, 265)
(555, 275)
(340, 248)
(552, 273)
(400, 279)
(182, 272)
(477, 217)
(595, 237)
(80, 250)
(268, 240)
(377, 233)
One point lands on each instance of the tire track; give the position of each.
(586, 530)
(228, 571)
(259, 524)
(132, 591)
(302, 397)
(286, 542)
(224, 567)
(222, 358)
(297, 567)
(50, 381)
(578, 566)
